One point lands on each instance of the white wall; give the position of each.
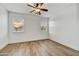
(32, 30)
(64, 26)
(3, 27)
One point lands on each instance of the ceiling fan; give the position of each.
(37, 8)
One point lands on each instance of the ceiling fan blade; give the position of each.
(44, 10)
(30, 5)
(32, 11)
(36, 5)
(41, 4)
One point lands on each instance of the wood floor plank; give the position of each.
(38, 48)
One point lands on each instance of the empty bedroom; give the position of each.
(39, 29)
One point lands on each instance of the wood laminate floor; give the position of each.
(38, 48)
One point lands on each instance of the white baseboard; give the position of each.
(77, 49)
(26, 40)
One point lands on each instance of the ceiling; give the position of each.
(53, 8)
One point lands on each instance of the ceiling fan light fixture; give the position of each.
(40, 7)
(37, 10)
